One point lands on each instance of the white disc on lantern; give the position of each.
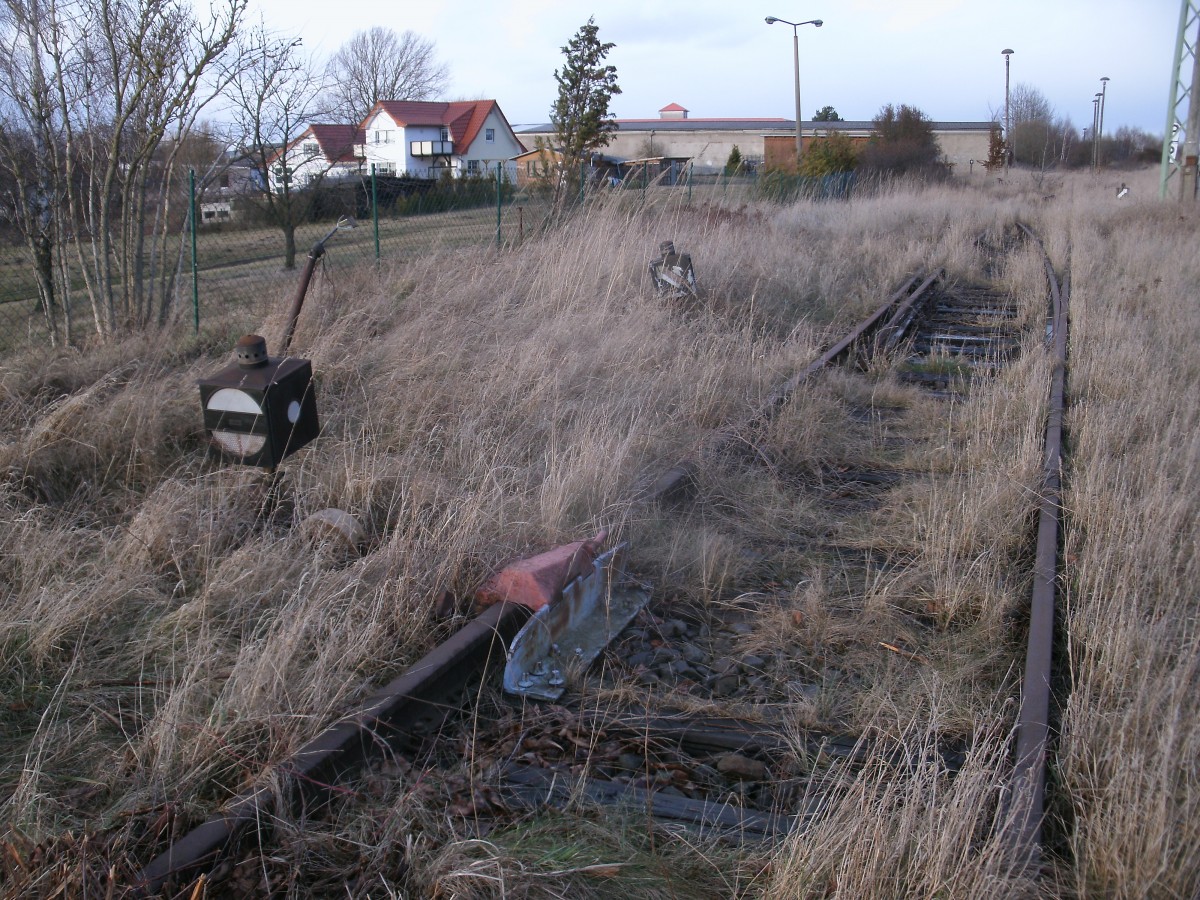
(235, 442)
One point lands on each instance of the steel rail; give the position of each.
(416, 703)
(1026, 802)
(409, 709)
(674, 480)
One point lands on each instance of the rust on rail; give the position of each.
(415, 705)
(409, 709)
(1026, 805)
(671, 482)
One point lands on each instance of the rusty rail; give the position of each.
(1026, 804)
(408, 710)
(677, 477)
(418, 702)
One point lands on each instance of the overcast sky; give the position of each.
(719, 58)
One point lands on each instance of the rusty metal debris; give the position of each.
(404, 713)
(672, 273)
(563, 638)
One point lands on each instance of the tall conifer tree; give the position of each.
(586, 84)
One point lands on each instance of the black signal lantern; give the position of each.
(261, 409)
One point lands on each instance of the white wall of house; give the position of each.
(390, 147)
(308, 164)
(485, 154)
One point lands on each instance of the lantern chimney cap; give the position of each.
(251, 351)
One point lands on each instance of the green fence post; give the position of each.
(195, 271)
(499, 200)
(375, 211)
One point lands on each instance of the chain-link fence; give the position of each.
(241, 246)
(237, 255)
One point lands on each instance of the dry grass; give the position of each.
(165, 631)
(1131, 736)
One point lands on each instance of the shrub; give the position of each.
(829, 155)
(733, 165)
(902, 142)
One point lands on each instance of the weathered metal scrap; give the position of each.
(581, 600)
(563, 638)
(672, 273)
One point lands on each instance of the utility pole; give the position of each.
(1100, 133)
(1008, 147)
(771, 20)
(1181, 138)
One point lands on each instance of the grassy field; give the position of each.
(165, 633)
(240, 268)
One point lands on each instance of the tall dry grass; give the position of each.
(165, 631)
(1127, 803)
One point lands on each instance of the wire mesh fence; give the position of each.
(233, 257)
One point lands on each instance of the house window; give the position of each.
(385, 168)
(472, 167)
(489, 135)
(311, 148)
(383, 137)
(445, 134)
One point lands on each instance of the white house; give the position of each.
(320, 152)
(425, 139)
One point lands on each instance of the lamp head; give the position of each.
(818, 22)
(771, 20)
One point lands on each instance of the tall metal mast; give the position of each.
(1181, 139)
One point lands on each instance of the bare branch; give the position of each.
(380, 64)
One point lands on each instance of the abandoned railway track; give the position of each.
(682, 712)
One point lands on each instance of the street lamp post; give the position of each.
(1095, 131)
(1007, 122)
(1100, 128)
(771, 20)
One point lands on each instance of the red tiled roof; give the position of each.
(673, 107)
(337, 141)
(710, 119)
(464, 118)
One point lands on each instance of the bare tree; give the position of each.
(104, 91)
(380, 64)
(30, 150)
(1033, 134)
(276, 92)
(1028, 104)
